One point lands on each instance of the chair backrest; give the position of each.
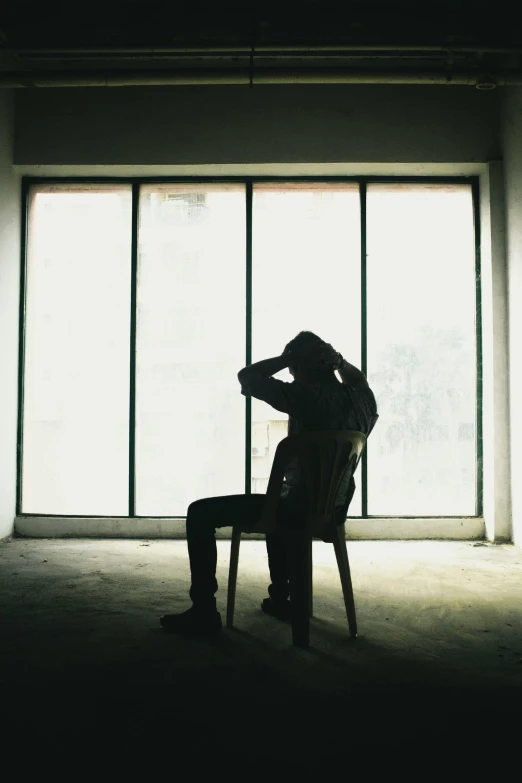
(327, 459)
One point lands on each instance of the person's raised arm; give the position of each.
(349, 374)
(266, 367)
(256, 381)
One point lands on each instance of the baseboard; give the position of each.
(459, 528)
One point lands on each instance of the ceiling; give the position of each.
(323, 40)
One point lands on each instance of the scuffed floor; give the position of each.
(439, 652)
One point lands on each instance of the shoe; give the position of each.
(279, 609)
(193, 622)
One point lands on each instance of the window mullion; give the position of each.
(132, 362)
(364, 345)
(248, 338)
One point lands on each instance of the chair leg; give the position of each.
(310, 580)
(298, 556)
(232, 576)
(341, 553)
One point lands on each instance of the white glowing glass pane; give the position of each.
(422, 350)
(76, 390)
(190, 414)
(305, 276)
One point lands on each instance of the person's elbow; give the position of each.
(248, 381)
(244, 377)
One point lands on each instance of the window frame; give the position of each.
(249, 182)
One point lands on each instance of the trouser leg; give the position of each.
(203, 517)
(276, 548)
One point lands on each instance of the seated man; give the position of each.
(315, 400)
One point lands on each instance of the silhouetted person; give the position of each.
(315, 400)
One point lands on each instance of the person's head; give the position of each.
(307, 371)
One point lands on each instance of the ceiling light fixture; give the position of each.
(486, 83)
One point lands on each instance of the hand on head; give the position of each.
(316, 352)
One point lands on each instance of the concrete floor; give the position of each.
(438, 657)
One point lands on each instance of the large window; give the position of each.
(76, 389)
(190, 420)
(306, 274)
(422, 350)
(142, 301)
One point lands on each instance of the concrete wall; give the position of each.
(9, 298)
(495, 355)
(512, 151)
(266, 124)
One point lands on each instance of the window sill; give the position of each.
(378, 528)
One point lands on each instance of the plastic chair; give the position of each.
(328, 459)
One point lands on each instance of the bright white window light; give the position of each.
(76, 390)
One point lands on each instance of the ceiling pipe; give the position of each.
(256, 77)
(276, 48)
(256, 55)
